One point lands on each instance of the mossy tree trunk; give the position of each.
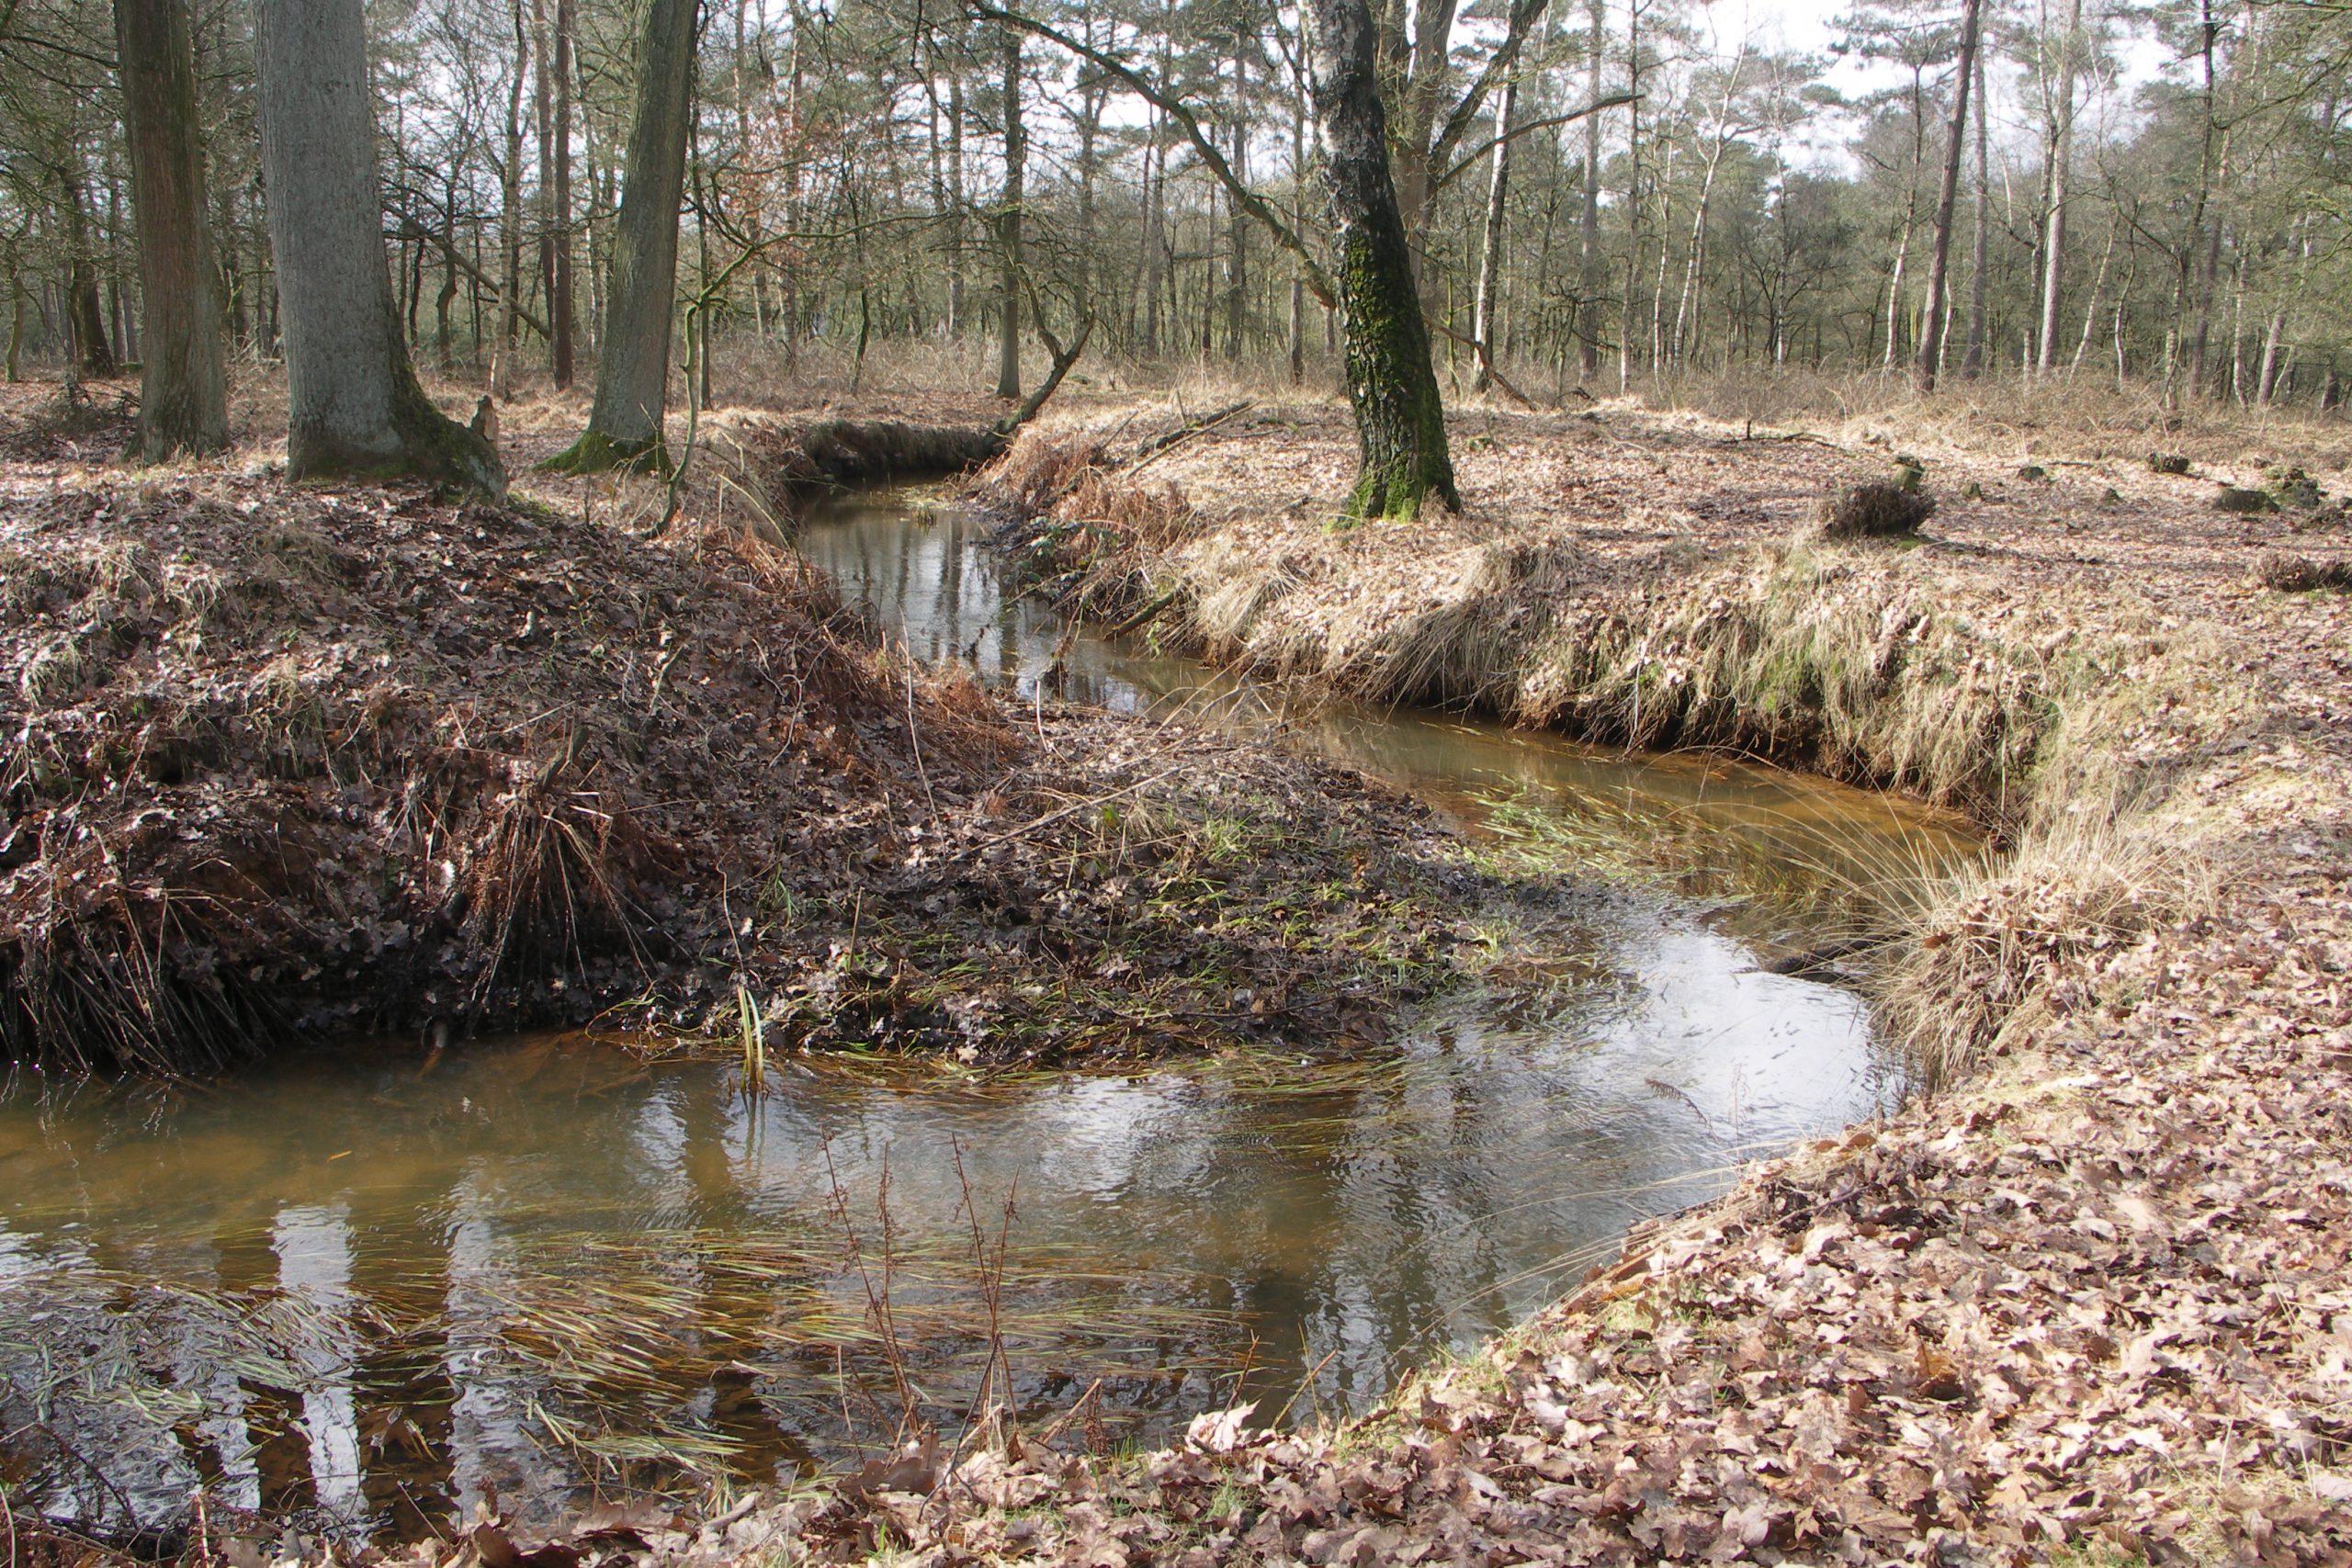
(353, 404)
(183, 387)
(632, 380)
(1400, 420)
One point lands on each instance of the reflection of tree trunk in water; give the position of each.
(725, 1337)
(281, 1455)
(406, 1396)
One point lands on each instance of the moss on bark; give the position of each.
(597, 453)
(1400, 419)
(1392, 388)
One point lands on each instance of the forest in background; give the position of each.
(1597, 192)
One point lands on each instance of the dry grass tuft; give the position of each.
(548, 879)
(2286, 573)
(1877, 509)
(2003, 937)
(1037, 471)
(1093, 535)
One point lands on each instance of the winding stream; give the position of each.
(384, 1286)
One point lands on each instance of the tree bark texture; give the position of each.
(353, 404)
(2062, 155)
(562, 330)
(1972, 361)
(633, 379)
(1490, 251)
(1588, 220)
(184, 386)
(86, 316)
(1008, 227)
(1400, 420)
(1931, 339)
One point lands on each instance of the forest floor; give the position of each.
(2091, 1300)
(293, 762)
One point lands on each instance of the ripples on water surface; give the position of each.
(384, 1283)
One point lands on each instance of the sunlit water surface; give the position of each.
(386, 1285)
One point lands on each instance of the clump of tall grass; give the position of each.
(1877, 509)
(2285, 572)
(1995, 937)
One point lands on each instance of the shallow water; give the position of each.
(545, 1267)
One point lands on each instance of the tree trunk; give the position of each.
(754, 220)
(2099, 285)
(1490, 251)
(353, 401)
(1422, 85)
(1008, 344)
(560, 309)
(2182, 293)
(86, 316)
(1155, 237)
(184, 378)
(510, 219)
(955, 203)
(633, 379)
(2062, 154)
(543, 146)
(1588, 223)
(1894, 292)
(1633, 199)
(1297, 329)
(1973, 363)
(1932, 341)
(1236, 262)
(1401, 421)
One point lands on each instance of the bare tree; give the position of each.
(1931, 339)
(184, 377)
(353, 404)
(1401, 421)
(633, 379)
(1008, 226)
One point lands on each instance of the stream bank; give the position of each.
(300, 761)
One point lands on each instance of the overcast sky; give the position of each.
(1809, 27)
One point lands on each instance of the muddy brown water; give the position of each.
(544, 1270)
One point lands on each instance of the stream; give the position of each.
(382, 1287)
